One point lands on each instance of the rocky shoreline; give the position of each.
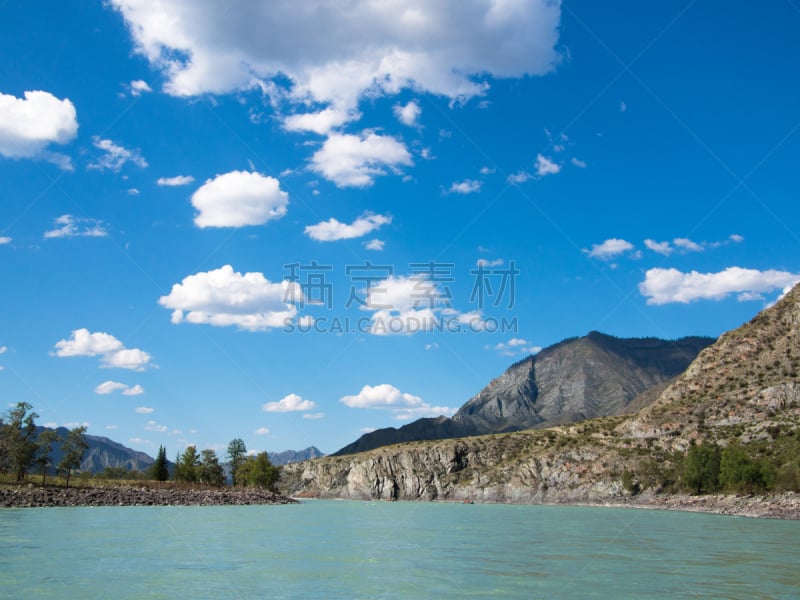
(42, 497)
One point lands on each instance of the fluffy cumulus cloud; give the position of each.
(261, 431)
(403, 406)
(322, 122)
(72, 226)
(224, 297)
(332, 230)
(238, 199)
(144, 410)
(114, 156)
(111, 351)
(468, 186)
(664, 286)
(28, 125)
(545, 166)
(375, 244)
(175, 181)
(408, 114)
(348, 49)
(290, 403)
(139, 87)
(5, 240)
(610, 248)
(685, 245)
(355, 160)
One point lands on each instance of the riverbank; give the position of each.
(30, 496)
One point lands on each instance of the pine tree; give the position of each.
(17, 445)
(186, 467)
(160, 471)
(237, 452)
(44, 448)
(211, 472)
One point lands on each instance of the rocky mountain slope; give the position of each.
(103, 453)
(580, 378)
(292, 456)
(745, 387)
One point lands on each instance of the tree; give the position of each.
(160, 470)
(210, 471)
(72, 450)
(186, 467)
(237, 452)
(259, 472)
(740, 473)
(17, 445)
(701, 468)
(44, 447)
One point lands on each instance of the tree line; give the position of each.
(21, 449)
(23, 452)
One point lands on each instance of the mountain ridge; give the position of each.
(575, 379)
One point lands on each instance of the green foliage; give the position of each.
(159, 469)
(237, 452)
(210, 471)
(186, 467)
(629, 483)
(739, 472)
(17, 444)
(257, 471)
(44, 447)
(72, 451)
(701, 468)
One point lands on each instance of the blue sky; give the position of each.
(292, 224)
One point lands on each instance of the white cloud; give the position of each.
(432, 346)
(468, 186)
(112, 427)
(736, 238)
(367, 429)
(144, 410)
(355, 160)
(290, 403)
(338, 54)
(314, 416)
(175, 181)
(545, 166)
(4, 240)
(115, 156)
(487, 171)
(28, 125)
(374, 245)
(610, 248)
(660, 247)
(483, 263)
(72, 226)
(3, 349)
(332, 230)
(133, 192)
(139, 87)
(136, 390)
(155, 426)
(261, 431)
(109, 348)
(408, 114)
(578, 162)
(519, 177)
(322, 122)
(224, 297)
(109, 387)
(664, 286)
(238, 199)
(387, 397)
(687, 245)
(515, 347)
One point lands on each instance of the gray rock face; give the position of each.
(580, 378)
(292, 456)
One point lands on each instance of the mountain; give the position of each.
(742, 392)
(579, 378)
(292, 456)
(102, 453)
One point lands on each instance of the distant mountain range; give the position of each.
(580, 378)
(104, 453)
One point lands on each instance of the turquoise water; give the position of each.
(393, 550)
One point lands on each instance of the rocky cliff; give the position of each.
(745, 387)
(580, 378)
